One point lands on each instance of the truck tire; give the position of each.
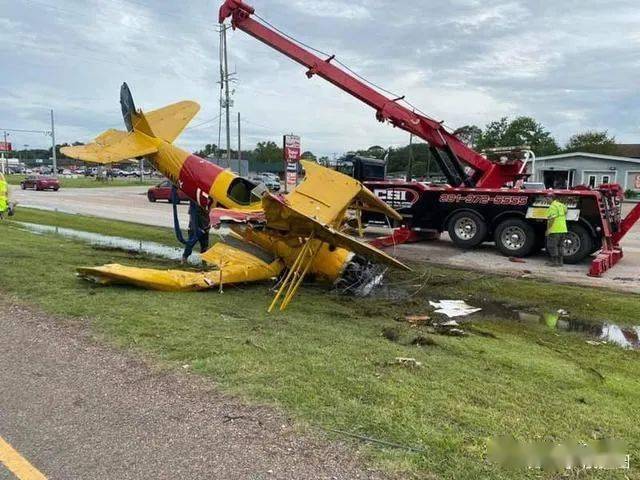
(578, 244)
(23, 186)
(515, 237)
(151, 197)
(467, 229)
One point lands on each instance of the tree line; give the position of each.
(521, 131)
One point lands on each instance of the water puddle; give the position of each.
(111, 242)
(624, 337)
(627, 337)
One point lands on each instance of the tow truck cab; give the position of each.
(362, 168)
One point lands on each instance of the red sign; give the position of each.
(292, 152)
(5, 146)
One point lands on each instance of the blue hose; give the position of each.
(193, 220)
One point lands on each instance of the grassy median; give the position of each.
(91, 182)
(327, 363)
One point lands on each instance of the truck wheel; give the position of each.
(23, 186)
(151, 197)
(578, 244)
(515, 237)
(467, 229)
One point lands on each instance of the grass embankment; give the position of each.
(326, 363)
(90, 182)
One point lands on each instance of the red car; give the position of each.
(162, 191)
(40, 183)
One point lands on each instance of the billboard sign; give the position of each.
(5, 146)
(292, 152)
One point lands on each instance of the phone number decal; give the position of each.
(473, 199)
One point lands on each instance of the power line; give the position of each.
(205, 122)
(346, 67)
(17, 130)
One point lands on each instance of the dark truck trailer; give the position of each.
(515, 219)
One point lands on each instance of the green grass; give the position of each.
(325, 362)
(89, 182)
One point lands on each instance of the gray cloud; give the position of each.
(574, 65)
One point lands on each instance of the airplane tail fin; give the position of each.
(114, 146)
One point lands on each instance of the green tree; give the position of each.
(309, 156)
(470, 135)
(268, 152)
(518, 132)
(375, 151)
(592, 142)
(209, 149)
(423, 162)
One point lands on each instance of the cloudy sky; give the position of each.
(572, 64)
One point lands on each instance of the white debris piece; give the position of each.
(454, 308)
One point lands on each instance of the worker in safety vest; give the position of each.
(556, 230)
(4, 197)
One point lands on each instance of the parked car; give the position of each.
(40, 183)
(271, 181)
(162, 191)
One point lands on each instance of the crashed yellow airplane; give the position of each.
(291, 236)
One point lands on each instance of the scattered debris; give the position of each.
(422, 341)
(517, 260)
(391, 333)
(452, 332)
(416, 320)
(595, 343)
(408, 362)
(482, 333)
(454, 308)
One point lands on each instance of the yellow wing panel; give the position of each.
(168, 122)
(284, 217)
(234, 266)
(113, 146)
(324, 194)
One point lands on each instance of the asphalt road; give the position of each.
(75, 409)
(130, 204)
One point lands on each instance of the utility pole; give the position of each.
(53, 145)
(410, 167)
(4, 156)
(227, 103)
(239, 144)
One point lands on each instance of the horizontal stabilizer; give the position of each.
(113, 146)
(169, 122)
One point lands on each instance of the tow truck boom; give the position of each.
(449, 151)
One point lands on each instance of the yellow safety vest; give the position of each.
(557, 217)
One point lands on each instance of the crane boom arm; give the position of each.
(448, 149)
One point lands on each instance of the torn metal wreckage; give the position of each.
(293, 236)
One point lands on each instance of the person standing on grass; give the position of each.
(4, 197)
(199, 225)
(556, 230)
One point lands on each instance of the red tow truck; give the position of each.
(484, 199)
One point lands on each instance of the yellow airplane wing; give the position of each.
(113, 146)
(282, 216)
(234, 266)
(326, 194)
(169, 122)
